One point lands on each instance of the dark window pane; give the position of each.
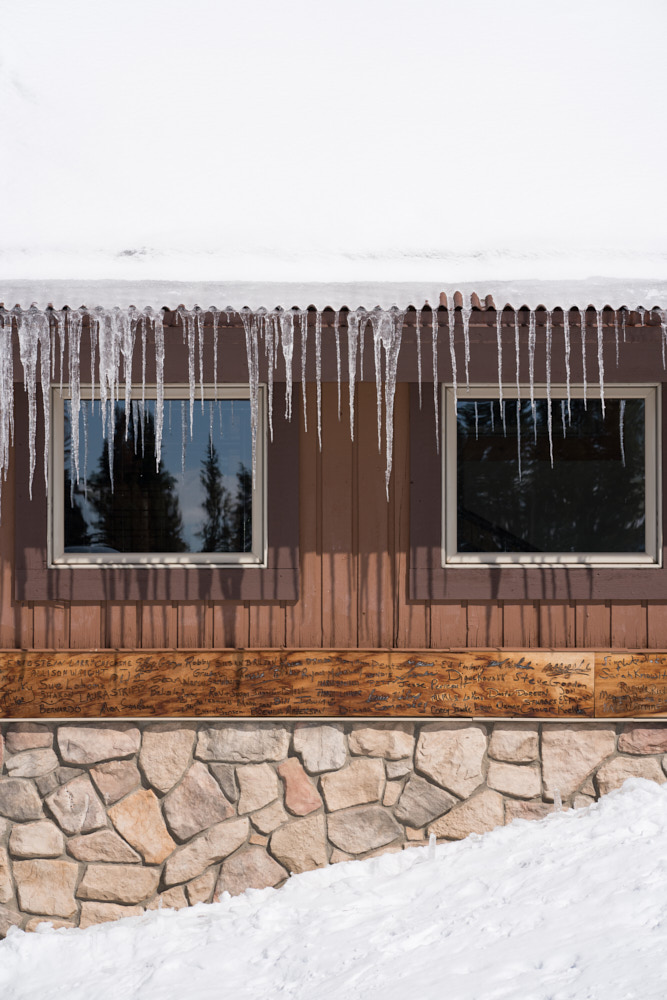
(592, 500)
(199, 498)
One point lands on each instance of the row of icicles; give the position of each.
(47, 337)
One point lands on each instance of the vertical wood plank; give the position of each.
(593, 624)
(449, 624)
(10, 612)
(521, 624)
(85, 626)
(51, 625)
(267, 625)
(123, 625)
(411, 618)
(485, 624)
(629, 627)
(304, 617)
(557, 624)
(25, 629)
(191, 625)
(230, 625)
(656, 614)
(158, 625)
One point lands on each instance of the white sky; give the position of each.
(357, 127)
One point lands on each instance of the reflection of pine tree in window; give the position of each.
(228, 520)
(76, 529)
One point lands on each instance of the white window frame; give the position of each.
(57, 556)
(650, 558)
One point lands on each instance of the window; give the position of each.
(197, 506)
(505, 502)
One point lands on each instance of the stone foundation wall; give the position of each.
(104, 820)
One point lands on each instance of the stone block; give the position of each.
(301, 797)
(104, 845)
(102, 913)
(6, 887)
(217, 843)
(357, 831)
(452, 754)
(321, 747)
(200, 889)
(392, 793)
(614, 773)
(269, 818)
(361, 781)
(97, 742)
(570, 751)
(9, 917)
(225, 775)
(34, 922)
(397, 768)
(258, 838)
(515, 742)
(118, 883)
(76, 806)
(421, 802)
(392, 740)
(582, 801)
(523, 781)
(28, 736)
(259, 785)
(195, 804)
(171, 899)
(243, 742)
(19, 800)
(166, 751)
(301, 845)
(46, 887)
(41, 839)
(32, 763)
(138, 819)
(643, 738)
(116, 779)
(526, 810)
(479, 814)
(249, 869)
(339, 856)
(48, 783)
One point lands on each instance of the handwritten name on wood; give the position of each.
(319, 683)
(630, 683)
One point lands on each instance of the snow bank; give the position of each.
(573, 906)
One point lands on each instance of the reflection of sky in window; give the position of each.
(227, 419)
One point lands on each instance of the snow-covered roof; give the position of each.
(364, 154)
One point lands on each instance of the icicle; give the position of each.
(662, 313)
(499, 344)
(436, 385)
(476, 421)
(33, 333)
(85, 454)
(318, 373)
(616, 338)
(558, 802)
(183, 436)
(493, 422)
(532, 337)
(270, 337)
(216, 322)
(200, 317)
(566, 338)
(601, 358)
(363, 321)
(6, 392)
(60, 320)
(517, 357)
(621, 422)
(337, 339)
(252, 354)
(642, 314)
(142, 321)
(287, 345)
(582, 321)
(549, 414)
(188, 321)
(431, 847)
(451, 322)
(387, 334)
(303, 320)
(158, 331)
(466, 312)
(562, 416)
(418, 335)
(518, 435)
(352, 348)
(92, 334)
(624, 317)
(74, 324)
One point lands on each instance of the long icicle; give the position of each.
(352, 347)
(549, 414)
(303, 320)
(287, 346)
(318, 373)
(499, 346)
(436, 384)
(568, 348)
(532, 337)
(418, 337)
(337, 339)
(466, 312)
(601, 357)
(582, 321)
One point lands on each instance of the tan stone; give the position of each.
(258, 838)
(588, 787)
(582, 801)
(172, 899)
(243, 742)
(46, 887)
(116, 779)
(249, 869)
(104, 845)
(259, 785)
(28, 736)
(47, 783)
(339, 856)
(9, 917)
(422, 802)
(357, 831)
(6, 887)
(361, 781)
(166, 749)
(19, 800)
(301, 797)
(452, 754)
(392, 793)
(523, 781)
(616, 772)
(207, 849)
(32, 763)
(515, 742)
(478, 814)
(118, 883)
(269, 818)
(98, 741)
(414, 834)
(526, 810)
(392, 740)
(4, 826)
(34, 923)
(195, 804)
(102, 913)
(138, 819)
(76, 806)
(321, 747)
(643, 738)
(397, 768)
(201, 889)
(225, 775)
(301, 845)
(41, 839)
(570, 751)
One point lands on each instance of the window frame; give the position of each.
(56, 554)
(651, 557)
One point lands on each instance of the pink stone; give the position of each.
(301, 797)
(643, 738)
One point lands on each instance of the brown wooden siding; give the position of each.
(353, 575)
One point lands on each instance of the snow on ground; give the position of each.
(573, 906)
